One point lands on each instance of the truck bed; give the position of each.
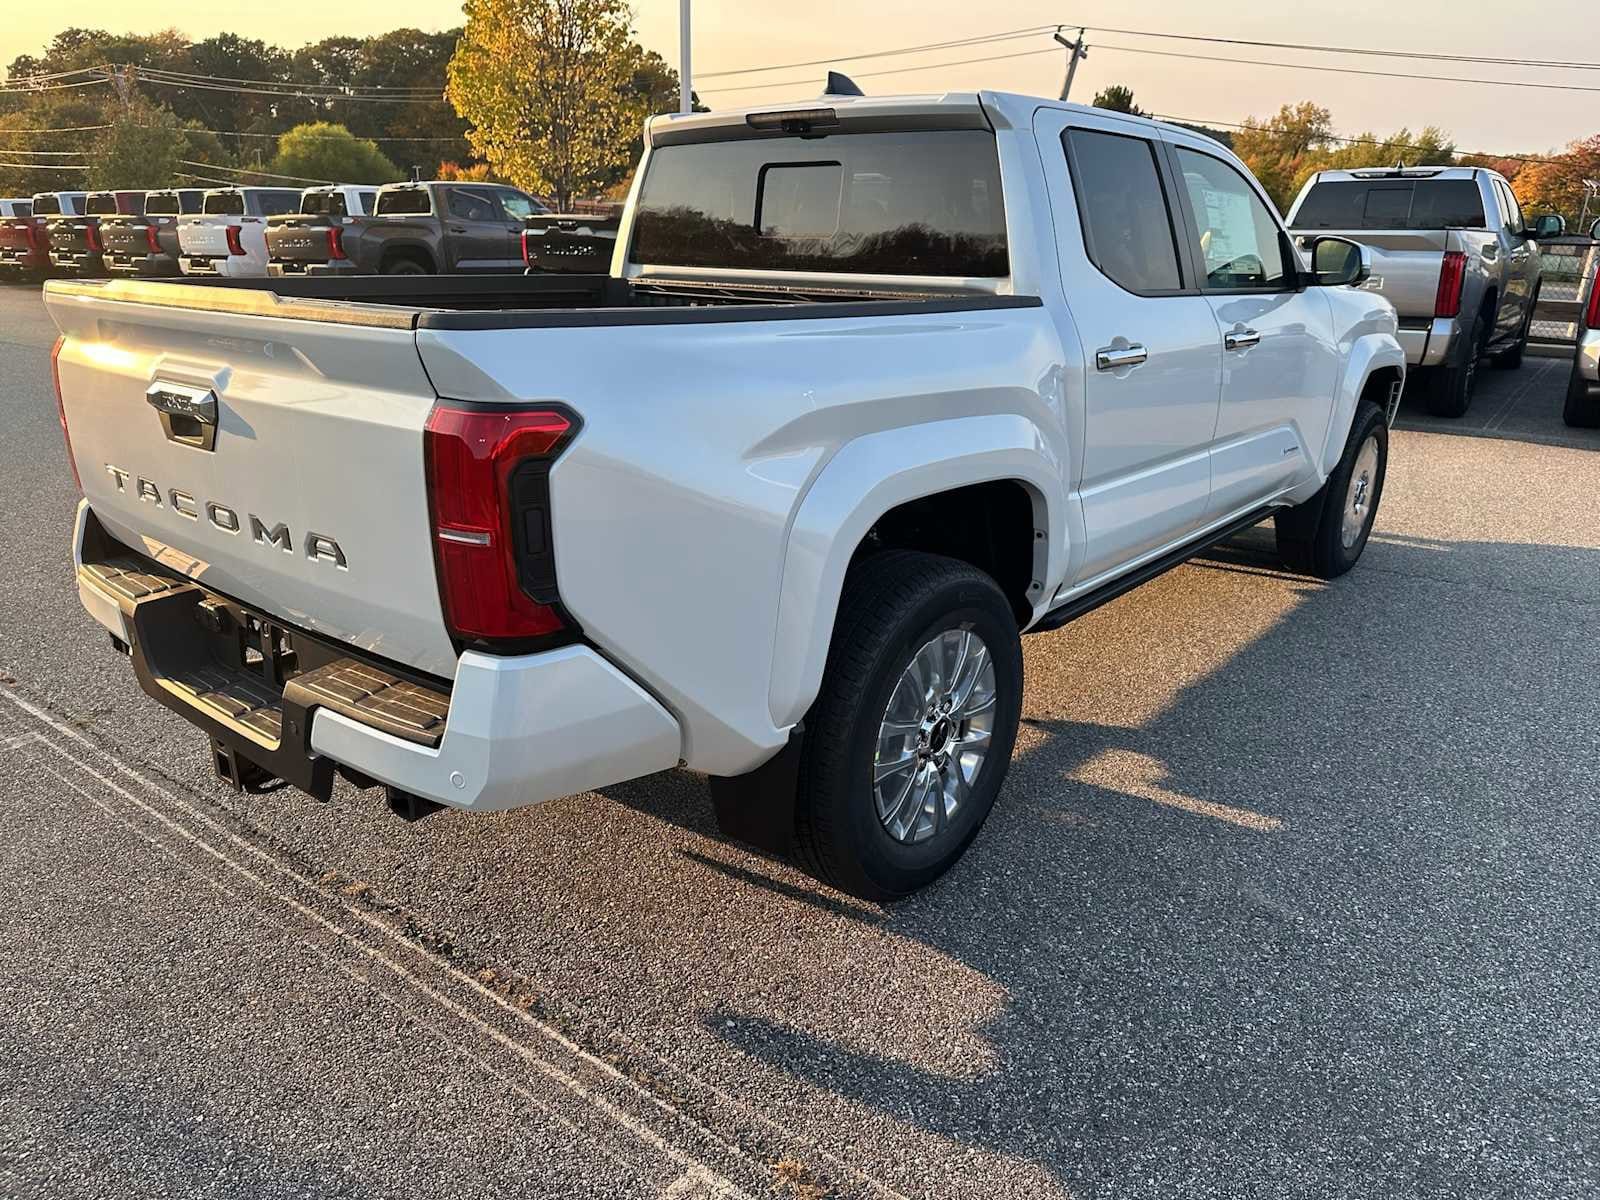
(529, 301)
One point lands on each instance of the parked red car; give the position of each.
(24, 250)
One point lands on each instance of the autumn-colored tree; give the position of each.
(546, 88)
(474, 173)
(1556, 184)
(1280, 149)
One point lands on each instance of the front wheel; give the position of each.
(1326, 535)
(911, 735)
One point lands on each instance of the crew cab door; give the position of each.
(1151, 345)
(476, 230)
(1280, 363)
(1521, 266)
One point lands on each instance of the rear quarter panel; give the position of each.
(674, 507)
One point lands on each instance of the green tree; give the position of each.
(323, 150)
(545, 88)
(1117, 98)
(33, 161)
(144, 148)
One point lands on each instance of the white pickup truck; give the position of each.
(873, 387)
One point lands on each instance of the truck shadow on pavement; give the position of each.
(1317, 921)
(1522, 405)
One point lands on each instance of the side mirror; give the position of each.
(1549, 226)
(1339, 262)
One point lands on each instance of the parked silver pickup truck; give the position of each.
(1453, 254)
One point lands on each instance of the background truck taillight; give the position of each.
(335, 242)
(61, 408)
(1591, 318)
(91, 237)
(235, 242)
(488, 471)
(1452, 275)
(152, 238)
(526, 256)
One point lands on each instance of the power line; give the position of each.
(1259, 62)
(1031, 31)
(217, 87)
(1434, 56)
(370, 87)
(962, 62)
(64, 129)
(189, 162)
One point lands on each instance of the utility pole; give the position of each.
(1075, 51)
(685, 77)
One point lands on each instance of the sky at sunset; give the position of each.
(731, 34)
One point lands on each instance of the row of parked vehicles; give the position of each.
(420, 228)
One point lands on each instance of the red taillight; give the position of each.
(527, 256)
(91, 237)
(61, 408)
(36, 237)
(335, 242)
(152, 238)
(235, 244)
(488, 495)
(1452, 274)
(1591, 318)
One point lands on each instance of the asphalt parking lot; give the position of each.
(1291, 893)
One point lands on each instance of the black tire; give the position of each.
(1510, 360)
(406, 264)
(1450, 389)
(1310, 535)
(1582, 408)
(894, 603)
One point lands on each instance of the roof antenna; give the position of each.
(841, 85)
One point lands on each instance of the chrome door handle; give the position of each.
(1241, 339)
(1113, 357)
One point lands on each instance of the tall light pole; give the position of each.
(685, 77)
(1075, 51)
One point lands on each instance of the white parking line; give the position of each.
(696, 1173)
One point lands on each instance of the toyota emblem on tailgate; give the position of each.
(188, 414)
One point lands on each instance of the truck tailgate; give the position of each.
(311, 502)
(205, 237)
(298, 239)
(1405, 265)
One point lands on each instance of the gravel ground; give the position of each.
(1290, 894)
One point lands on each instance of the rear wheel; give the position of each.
(405, 265)
(911, 735)
(1326, 535)
(1511, 359)
(1450, 389)
(1582, 409)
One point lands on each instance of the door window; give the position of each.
(470, 206)
(1510, 207)
(517, 205)
(1127, 224)
(1241, 244)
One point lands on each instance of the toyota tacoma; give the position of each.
(872, 388)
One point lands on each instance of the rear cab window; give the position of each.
(273, 202)
(162, 204)
(322, 204)
(405, 202)
(920, 202)
(104, 204)
(1392, 204)
(1128, 229)
(224, 204)
(46, 206)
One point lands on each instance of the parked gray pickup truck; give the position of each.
(415, 229)
(1453, 254)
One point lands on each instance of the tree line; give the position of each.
(547, 94)
(1287, 148)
